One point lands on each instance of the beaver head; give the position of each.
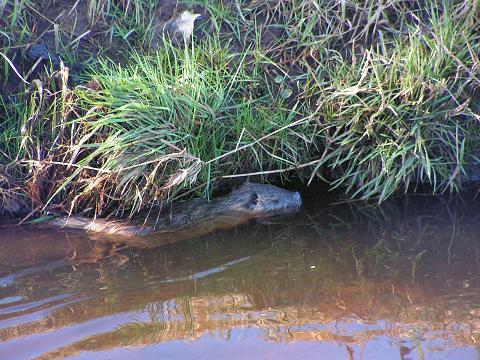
(264, 200)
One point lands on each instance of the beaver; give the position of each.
(190, 219)
(101, 239)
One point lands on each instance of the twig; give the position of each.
(298, 122)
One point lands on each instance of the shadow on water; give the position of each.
(340, 281)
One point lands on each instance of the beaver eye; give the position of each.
(252, 202)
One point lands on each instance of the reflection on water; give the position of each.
(335, 282)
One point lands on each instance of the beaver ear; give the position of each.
(252, 202)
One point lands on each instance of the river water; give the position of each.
(337, 281)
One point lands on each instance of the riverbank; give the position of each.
(373, 98)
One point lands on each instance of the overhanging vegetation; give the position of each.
(372, 97)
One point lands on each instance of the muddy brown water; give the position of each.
(344, 281)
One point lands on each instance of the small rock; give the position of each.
(41, 51)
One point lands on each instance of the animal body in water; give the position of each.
(190, 219)
(78, 240)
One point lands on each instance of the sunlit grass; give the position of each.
(178, 118)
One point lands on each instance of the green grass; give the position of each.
(373, 98)
(129, 20)
(14, 30)
(175, 119)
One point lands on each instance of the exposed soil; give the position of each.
(65, 28)
(68, 32)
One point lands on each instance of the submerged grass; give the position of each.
(371, 97)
